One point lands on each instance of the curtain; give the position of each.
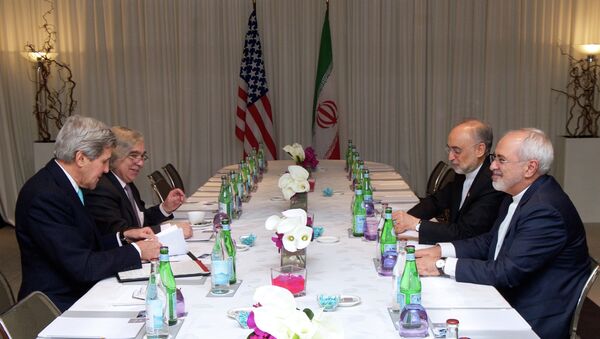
(408, 70)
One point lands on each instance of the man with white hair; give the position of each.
(62, 253)
(536, 254)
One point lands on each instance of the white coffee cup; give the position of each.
(196, 217)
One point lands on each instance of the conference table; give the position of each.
(343, 267)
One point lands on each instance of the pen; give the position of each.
(202, 266)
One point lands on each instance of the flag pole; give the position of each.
(254, 4)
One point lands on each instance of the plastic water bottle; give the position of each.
(219, 267)
(156, 321)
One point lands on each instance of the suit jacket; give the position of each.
(112, 211)
(476, 216)
(543, 262)
(62, 253)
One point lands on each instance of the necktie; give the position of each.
(133, 204)
(80, 195)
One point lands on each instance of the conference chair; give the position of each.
(173, 176)
(7, 298)
(586, 289)
(441, 175)
(159, 185)
(29, 316)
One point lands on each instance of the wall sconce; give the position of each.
(582, 119)
(53, 97)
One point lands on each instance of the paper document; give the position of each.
(173, 237)
(64, 327)
(187, 268)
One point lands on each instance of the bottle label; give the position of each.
(388, 216)
(154, 315)
(408, 298)
(359, 223)
(415, 298)
(220, 272)
(410, 256)
(164, 257)
(368, 197)
(389, 247)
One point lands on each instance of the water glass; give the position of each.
(292, 278)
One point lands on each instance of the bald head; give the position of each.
(468, 145)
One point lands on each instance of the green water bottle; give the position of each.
(388, 235)
(230, 251)
(410, 284)
(225, 199)
(168, 281)
(359, 214)
(348, 154)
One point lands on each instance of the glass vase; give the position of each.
(299, 200)
(297, 258)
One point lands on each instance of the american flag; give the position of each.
(254, 121)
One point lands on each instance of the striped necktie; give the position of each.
(133, 204)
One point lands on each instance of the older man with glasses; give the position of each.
(472, 201)
(536, 254)
(116, 203)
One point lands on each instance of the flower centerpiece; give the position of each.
(292, 235)
(303, 157)
(294, 185)
(275, 316)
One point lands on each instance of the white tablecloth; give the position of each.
(345, 267)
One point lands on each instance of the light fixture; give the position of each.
(36, 56)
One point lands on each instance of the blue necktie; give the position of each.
(80, 195)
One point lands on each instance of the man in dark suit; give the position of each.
(116, 204)
(62, 253)
(472, 201)
(536, 254)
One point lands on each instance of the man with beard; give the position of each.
(62, 253)
(116, 204)
(472, 201)
(536, 254)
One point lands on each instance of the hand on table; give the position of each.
(186, 227)
(404, 222)
(136, 234)
(426, 259)
(150, 248)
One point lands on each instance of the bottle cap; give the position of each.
(452, 322)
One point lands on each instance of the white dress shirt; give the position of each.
(469, 178)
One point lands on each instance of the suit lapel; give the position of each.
(480, 181)
(459, 180)
(124, 199)
(63, 182)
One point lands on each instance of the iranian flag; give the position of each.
(325, 138)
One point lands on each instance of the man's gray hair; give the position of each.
(84, 134)
(126, 139)
(537, 146)
(482, 132)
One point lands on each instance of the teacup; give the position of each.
(196, 217)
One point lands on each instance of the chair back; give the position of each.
(441, 175)
(159, 185)
(7, 298)
(584, 292)
(29, 316)
(173, 176)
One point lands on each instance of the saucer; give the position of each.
(241, 247)
(328, 239)
(349, 300)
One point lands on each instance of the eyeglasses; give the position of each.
(457, 150)
(135, 156)
(502, 160)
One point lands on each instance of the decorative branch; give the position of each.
(582, 115)
(51, 105)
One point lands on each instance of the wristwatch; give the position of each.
(123, 238)
(440, 264)
(418, 226)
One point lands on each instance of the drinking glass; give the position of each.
(292, 278)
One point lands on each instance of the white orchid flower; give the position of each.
(272, 222)
(277, 304)
(299, 186)
(297, 239)
(285, 180)
(300, 325)
(296, 213)
(296, 151)
(326, 326)
(288, 192)
(287, 225)
(298, 172)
